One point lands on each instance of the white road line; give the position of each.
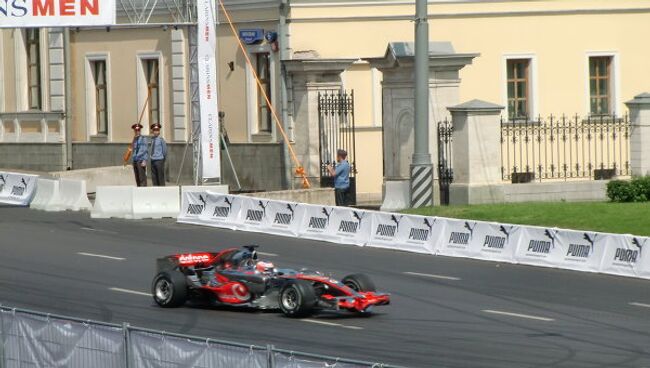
(640, 305)
(101, 256)
(441, 277)
(331, 324)
(518, 315)
(267, 254)
(98, 230)
(127, 291)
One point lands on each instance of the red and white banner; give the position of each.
(56, 13)
(207, 60)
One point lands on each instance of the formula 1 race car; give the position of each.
(235, 277)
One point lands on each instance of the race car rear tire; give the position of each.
(169, 289)
(359, 282)
(297, 298)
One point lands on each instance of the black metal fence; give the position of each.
(445, 170)
(565, 148)
(337, 131)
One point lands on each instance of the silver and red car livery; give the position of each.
(236, 277)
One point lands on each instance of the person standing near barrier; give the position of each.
(140, 155)
(341, 174)
(158, 156)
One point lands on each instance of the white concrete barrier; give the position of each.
(156, 202)
(73, 195)
(221, 189)
(100, 176)
(113, 201)
(47, 196)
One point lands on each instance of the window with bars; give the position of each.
(101, 96)
(263, 69)
(152, 72)
(33, 53)
(600, 100)
(518, 88)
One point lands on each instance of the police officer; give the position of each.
(341, 174)
(158, 156)
(140, 155)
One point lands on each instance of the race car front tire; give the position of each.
(169, 289)
(297, 298)
(359, 282)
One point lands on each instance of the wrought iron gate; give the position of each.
(336, 128)
(445, 170)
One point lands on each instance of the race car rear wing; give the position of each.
(185, 260)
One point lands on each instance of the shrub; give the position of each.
(636, 190)
(642, 186)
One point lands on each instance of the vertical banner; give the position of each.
(207, 60)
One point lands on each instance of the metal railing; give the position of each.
(34, 339)
(565, 148)
(445, 169)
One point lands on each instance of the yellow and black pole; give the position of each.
(421, 167)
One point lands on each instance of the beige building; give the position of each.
(536, 57)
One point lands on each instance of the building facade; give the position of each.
(537, 57)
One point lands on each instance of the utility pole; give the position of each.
(421, 167)
(67, 59)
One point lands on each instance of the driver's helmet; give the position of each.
(264, 266)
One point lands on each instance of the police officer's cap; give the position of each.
(136, 126)
(156, 126)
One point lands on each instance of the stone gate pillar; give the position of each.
(476, 153)
(398, 95)
(309, 77)
(640, 134)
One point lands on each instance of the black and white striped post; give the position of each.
(421, 167)
(421, 185)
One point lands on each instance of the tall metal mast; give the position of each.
(421, 167)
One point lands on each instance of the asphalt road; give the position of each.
(446, 312)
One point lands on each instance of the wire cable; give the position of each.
(300, 170)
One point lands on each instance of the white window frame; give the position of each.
(377, 97)
(615, 81)
(21, 78)
(252, 90)
(91, 98)
(2, 73)
(532, 78)
(141, 86)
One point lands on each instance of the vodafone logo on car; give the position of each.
(193, 258)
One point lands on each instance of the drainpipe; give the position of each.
(283, 40)
(68, 98)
